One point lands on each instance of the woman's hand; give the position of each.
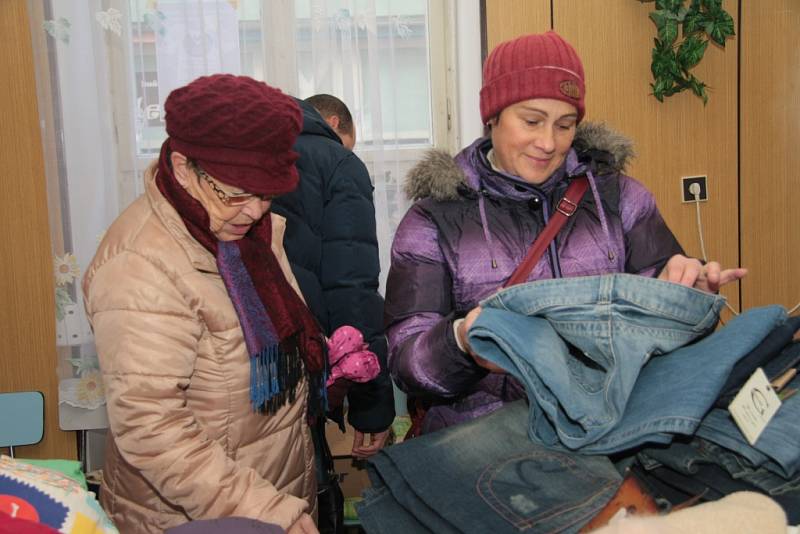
(376, 442)
(303, 525)
(463, 328)
(690, 272)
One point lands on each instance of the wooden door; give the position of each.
(770, 159)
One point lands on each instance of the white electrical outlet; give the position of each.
(694, 189)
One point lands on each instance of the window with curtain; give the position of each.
(105, 67)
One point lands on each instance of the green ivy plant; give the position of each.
(700, 21)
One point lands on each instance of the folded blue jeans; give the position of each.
(605, 359)
(777, 448)
(485, 476)
(766, 355)
(687, 458)
(683, 471)
(379, 512)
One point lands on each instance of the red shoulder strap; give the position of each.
(566, 207)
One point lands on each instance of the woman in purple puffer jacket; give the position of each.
(476, 216)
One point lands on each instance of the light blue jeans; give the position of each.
(606, 360)
(777, 448)
(484, 475)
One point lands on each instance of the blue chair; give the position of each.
(21, 419)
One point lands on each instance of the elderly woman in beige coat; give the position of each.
(210, 360)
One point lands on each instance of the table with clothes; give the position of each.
(622, 373)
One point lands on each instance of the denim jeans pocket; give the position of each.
(547, 490)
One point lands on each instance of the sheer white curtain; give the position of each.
(85, 191)
(375, 56)
(105, 67)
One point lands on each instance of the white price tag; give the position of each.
(754, 406)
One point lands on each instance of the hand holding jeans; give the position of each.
(463, 342)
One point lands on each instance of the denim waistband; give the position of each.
(650, 296)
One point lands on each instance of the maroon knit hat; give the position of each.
(239, 130)
(532, 66)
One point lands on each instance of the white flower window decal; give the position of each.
(66, 271)
(110, 20)
(58, 29)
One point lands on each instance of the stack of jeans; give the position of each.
(778, 447)
(699, 468)
(718, 460)
(609, 363)
(606, 360)
(484, 476)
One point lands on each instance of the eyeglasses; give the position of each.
(229, 199)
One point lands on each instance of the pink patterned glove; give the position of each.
(349, 356)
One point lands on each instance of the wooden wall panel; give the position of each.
(507, 19)
(679, 137)
(770, 159)
(27, 314)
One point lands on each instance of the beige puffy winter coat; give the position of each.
(184, 441)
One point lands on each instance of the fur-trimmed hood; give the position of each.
(438, 175)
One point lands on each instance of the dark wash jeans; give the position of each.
(768, 355)
(484, 476)
(606, 360)
(688, 458)
(702, 468)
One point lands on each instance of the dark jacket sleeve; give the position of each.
(649, 243)
(302, 208)
(349, 273)
(424, 358)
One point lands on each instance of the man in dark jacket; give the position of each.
(332, 245)
(337, 116)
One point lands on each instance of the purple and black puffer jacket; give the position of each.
(468, 230)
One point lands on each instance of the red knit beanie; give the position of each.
(239, 130)
(532, 66)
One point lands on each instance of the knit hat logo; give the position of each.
(570, 89)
